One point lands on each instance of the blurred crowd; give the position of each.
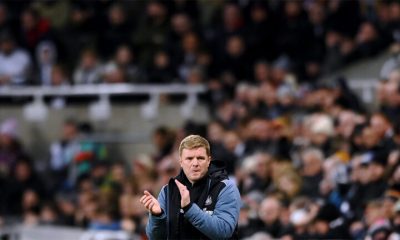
(86, 42)
(310, 159)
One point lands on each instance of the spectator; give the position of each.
(161, 70)
(73, 156)
(7, 23)
(10, 146)
(233, 59)
(89, 70)
(181, 25)
(312, 160)
(163, 141)
(117, 31)
(152, 30)
(34, 29)
(24, 188)
(260, 32)
(188, 55)
(15, 63)
(78, 34)
(46, 55)
(262, 72)
(123, 68)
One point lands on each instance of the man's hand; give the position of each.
(151, 203)
(185, 194)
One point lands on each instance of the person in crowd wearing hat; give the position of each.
(201, 202)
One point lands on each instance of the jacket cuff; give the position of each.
(187, 207)
(161, 215)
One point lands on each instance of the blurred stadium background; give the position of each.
(300, 98)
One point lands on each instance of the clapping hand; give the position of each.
(185, 194)
(151, 203)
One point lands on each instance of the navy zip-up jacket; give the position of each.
(220, 224)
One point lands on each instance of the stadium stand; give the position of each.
(313, 158)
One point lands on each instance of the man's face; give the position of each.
(194, 163)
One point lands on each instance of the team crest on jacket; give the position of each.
(208, 201)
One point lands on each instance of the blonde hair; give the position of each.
(193, 142)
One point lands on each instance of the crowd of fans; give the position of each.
(309, 159)
(86, 42)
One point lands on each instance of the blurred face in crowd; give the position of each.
(48, 214)
(5, 140)
(373, 212)
(226, 111)
(116, 76)
(235, 46)
(161, 60)
(180, 23)
(124, 55)
(262, 72)
(28, 20)
(156, 10)
(270, 210)
(312, 165)
(394, 77)
(116, 15)
(3, 13)
(58, 76)
(396, 175)
(366, 33)
(232, 16)
(190, 43)
(118, 173)
(332, 39)
(364, 174)
(321, 227)
(316, 14)
(387, 206)
(376, 171)
(78, 16)
(215, 132)
(292, 9)
(289, 184)
(260, 129)
(388, 94)
(22, 171)
(370, 137)
(263, 166)
(379, 124)
(46, 55)
(258, 14)
(396, 220)
(7, 46)
(89, 60)
(195, 76)
(195, 163)
(231, 140)
(69, 131)
(394, 12)
(346, 124)
(268, 93)
(30, 199)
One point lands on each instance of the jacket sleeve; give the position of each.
(157, 225)
(222, 222)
